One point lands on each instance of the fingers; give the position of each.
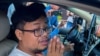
(72, 46)
(62, 50)
(52, 45)
(49, 47)
(55, 46)
(58, 46)
(54, 42)
(98, 30)
(69, 47)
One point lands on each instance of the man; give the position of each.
(51, 17)
(31, 30)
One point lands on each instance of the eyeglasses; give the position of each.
(38, 32)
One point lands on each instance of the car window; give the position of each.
(75, 25)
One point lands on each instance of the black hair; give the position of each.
(25, 14)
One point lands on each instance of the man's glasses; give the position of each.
(38, 32)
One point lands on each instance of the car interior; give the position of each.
(7, 42)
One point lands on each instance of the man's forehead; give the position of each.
(38, 22)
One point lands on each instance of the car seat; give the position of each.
(6, 45)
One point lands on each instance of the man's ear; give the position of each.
(18, 34)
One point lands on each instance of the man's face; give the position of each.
(30, 40)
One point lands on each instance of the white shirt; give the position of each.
(70, 19)
(17, 52)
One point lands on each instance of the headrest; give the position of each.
(4, 26)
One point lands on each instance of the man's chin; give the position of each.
(43, 48)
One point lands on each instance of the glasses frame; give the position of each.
(42, 30)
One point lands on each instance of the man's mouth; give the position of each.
(44, 42)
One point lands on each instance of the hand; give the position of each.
(55, 48)
(98, 31)
(63, 22)
(69, 47)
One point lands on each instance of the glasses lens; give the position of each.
(49, 29)
(39, 32)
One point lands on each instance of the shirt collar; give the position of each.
(18, 52)
(21, 52)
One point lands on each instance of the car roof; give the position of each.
(88, 5)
